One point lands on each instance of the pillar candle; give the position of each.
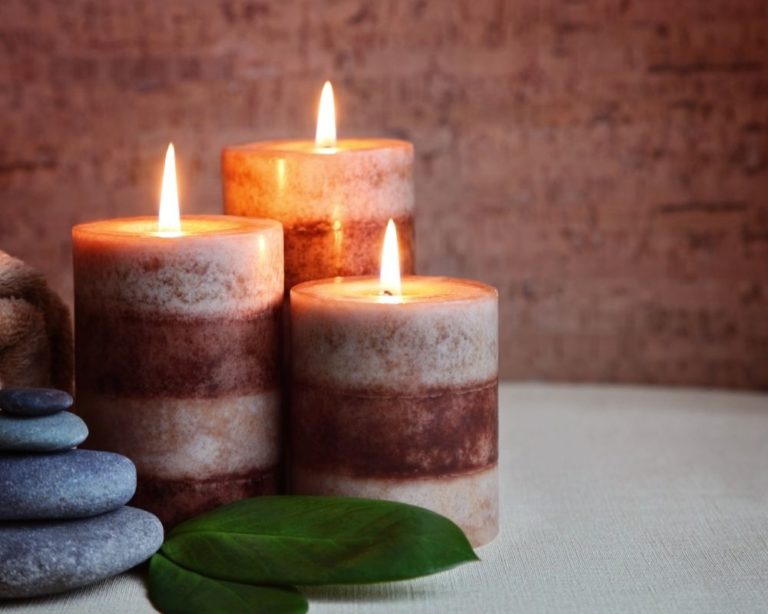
(177, 339)
(177, 325)
(332, 196)
(395, 397)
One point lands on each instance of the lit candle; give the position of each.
(394, 392)
(332, 196)
(177, 333)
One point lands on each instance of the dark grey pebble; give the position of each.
(72, 484)
(60, 431)
(40, 558)
(34, 401)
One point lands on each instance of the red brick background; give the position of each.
(604, 163)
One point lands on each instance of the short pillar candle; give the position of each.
(177, 355)
(333, 198)
(396, 397)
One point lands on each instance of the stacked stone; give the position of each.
(63, 519)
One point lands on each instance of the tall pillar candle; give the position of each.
(177, 355)
(396, 397)
(333, 197)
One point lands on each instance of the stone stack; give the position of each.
(63, 518)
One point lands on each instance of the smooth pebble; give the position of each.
(34, 401)
(72, 484)
(40, 558)
(60, 431)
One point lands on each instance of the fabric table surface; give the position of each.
(613, 499)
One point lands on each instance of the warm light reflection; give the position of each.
(281, 175)
(325, 136)
(262, 247)
(389, 279)
(338, 239)
(168, 219)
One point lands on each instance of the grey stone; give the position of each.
(70, 484)
(60, 431)
(34, 401)
(40, 558)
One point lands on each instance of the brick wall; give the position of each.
(604, 163)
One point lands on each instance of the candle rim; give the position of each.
(477, 290)
(134, 226)
(307, 147)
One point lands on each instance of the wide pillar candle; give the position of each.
(177, 355)
(333, 202)
(398, 400)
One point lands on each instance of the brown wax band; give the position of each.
(174, 501)
(314, 250)
(184, 356)
(366, 391)
(451, 432)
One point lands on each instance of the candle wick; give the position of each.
(386, 293)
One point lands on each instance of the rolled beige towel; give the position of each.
(35, 330)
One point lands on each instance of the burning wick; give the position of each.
(325, 135)
(168, 218)
(389, 279)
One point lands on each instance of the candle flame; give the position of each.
(325, 136)
(168, 219)
(389, 279)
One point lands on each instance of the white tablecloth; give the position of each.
(614, 499)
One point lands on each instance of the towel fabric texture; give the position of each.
(35, 330)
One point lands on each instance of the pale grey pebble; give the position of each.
(34, 401)
(45, 557)
(72, 484)
(61, 431)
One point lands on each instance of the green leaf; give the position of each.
(317, 540)
(175, 590)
